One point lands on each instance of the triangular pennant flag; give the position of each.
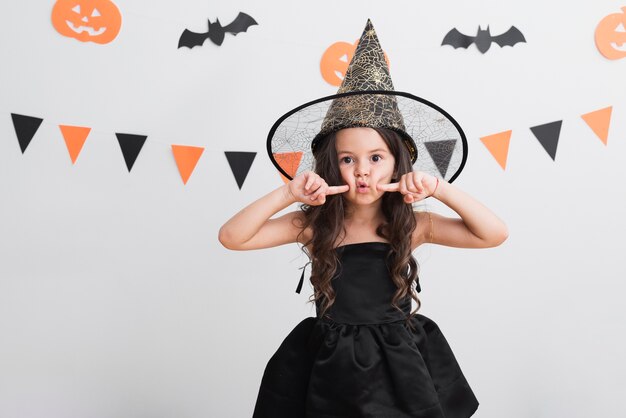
(599, 122)
(75, 137)
(441, 153)
(131, 146)
(288, 161)
(25, 128)
(240, 163)
(186, 158)
(498, 146)
(548, 136)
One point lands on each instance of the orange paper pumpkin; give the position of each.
(611, 35)
(335, 60)
(96, 21)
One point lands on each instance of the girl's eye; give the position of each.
(346, 160)
(376, 158)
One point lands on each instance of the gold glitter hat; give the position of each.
(366, 98)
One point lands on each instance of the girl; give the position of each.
(366, 354)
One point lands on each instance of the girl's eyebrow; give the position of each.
(367, 152)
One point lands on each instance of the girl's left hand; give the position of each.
(415, 186)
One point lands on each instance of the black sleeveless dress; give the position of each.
(364, 360)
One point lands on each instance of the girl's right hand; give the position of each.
(309, 188)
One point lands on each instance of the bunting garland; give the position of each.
(25, 128)
(290, 161)
(599, 122)
(498, 146)
(240, 162)
(75, 137)
(441, 153)
(131, 146)
(186, 158)
(548, 135)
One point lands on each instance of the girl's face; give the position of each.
(364, 161)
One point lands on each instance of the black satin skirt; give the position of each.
(325, 369)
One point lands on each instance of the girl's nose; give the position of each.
(361, 169)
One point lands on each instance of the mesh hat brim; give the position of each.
(439, 141)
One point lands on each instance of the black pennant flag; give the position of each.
(548, 136)
(441, 153)
(25, 128)
(240, 163)
(131, 146)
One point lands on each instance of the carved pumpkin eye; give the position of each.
(95, 13)
(76, 9)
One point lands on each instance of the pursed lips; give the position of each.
(362, 187)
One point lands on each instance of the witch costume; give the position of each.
(361, 359)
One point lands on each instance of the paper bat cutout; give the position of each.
(216, 32)
(483, 39)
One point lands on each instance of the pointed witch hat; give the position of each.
(366, 98)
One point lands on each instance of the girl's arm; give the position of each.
(478, 226)
(251, 228)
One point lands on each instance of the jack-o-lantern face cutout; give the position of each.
(96, 21)
(335, 61)
(611, 35)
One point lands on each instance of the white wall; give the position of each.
(117, 300)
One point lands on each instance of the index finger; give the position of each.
(337, 189)
(391, 187)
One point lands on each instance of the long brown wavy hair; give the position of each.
(327, 224)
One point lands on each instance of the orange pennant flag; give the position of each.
(186, 158)
(498, 146)
(75, 137)
(289, 161)
(599, 122)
